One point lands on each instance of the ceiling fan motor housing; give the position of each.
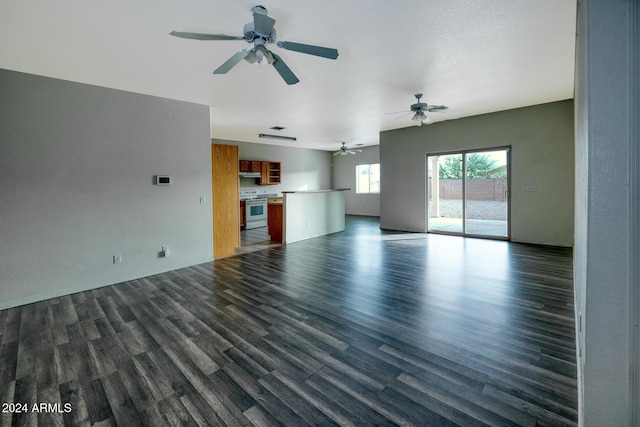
(251, 36)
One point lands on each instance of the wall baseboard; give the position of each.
(5, 305)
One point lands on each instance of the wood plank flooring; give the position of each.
(363, 327)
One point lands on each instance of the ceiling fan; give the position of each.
(260, 33)
(344, 150)
(421, 108)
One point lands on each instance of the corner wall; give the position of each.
(76, 186)
(541, 139)
(344, 176)
(603, 254)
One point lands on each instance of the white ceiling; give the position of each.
(475, 56)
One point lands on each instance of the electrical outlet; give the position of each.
(117, 259)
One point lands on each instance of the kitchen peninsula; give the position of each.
(308, 214)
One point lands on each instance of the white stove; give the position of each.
(255, 208)
(246, 194)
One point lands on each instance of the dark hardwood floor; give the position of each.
(363, 327)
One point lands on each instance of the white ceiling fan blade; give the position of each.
(436, 108)
(263, 24)
(231, 62)
(325, 52)
(396, 119)
(200, 36)
(284, 71)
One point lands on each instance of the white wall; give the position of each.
(344, 176)
(542, 141)
(302, 169)
(76, 170)
(312, 214)
(603, 253)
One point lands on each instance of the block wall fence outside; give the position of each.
(476, 189)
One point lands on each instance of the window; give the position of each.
(368, 178)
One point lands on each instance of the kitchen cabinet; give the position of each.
(270, 173)
(250, 166)
(243, 219)
(275, 219)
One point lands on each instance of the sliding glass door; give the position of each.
(446, 207)
(468, 193)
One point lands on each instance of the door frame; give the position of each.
(634, 144)
(464, 152)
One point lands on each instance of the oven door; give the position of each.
(255, 213)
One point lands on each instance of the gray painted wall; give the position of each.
(542, 142)
(604, 256)
(302, 169)
(76, 170)
(344, 176)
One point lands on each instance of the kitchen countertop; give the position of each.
(316, 191)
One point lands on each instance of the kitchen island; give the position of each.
(308, 214)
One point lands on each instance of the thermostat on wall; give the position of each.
(163, 180)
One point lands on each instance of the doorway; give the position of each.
(468, 193)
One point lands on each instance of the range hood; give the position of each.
(250, 175)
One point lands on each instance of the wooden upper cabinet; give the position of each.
(250, 166)
(270, 173)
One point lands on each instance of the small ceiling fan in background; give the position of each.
(344, 150)
(420, 110)
(260, 33)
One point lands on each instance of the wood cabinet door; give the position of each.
(225, 199)
(256, 166)
(264, 172)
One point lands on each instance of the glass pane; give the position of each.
(362, 178)
(374, 178)
(486, 209)
(445, 193)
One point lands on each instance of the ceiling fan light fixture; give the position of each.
(420, 116)
(259, 55)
